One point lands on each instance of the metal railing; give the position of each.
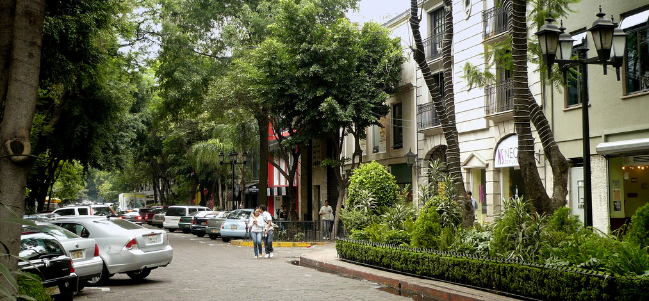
(427, 116)
(499, 97)
(494, 22)
(433, 46)
(297, 231)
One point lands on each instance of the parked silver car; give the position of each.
(125, 247)
(213, 224)
(236, 225)
(84, 252)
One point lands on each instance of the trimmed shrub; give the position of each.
(524, 279)
(397, 237)
(356, 219)
(449, 211)
(375, 179)
(638, 231)
(427, 229)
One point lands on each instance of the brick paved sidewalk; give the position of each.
(326, 259)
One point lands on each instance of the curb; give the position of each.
(409, 285)
(281, 244)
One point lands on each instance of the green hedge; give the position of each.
(524, 279)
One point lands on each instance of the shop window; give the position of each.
(575, 79)
(397, 125)
(637, 55)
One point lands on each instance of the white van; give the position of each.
(174, 213)
(85, 210)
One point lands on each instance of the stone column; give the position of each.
(601, 208)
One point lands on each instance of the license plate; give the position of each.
(77, 254)
(215, 230)
(233, 227)
(204, 223)
(52, 290)
(153, 238)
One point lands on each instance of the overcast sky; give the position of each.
(378, 10)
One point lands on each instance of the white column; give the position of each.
(601, 208)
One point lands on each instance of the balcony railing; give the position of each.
(499, 97)
(433, 46)
(494, 22)
(427, 116)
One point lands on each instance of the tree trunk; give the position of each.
(533, 184)
(262, 125)
(343, 182)
(15, 128)
(7, 10)
(552, 153)
(445, 108)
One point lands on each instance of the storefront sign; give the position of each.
(507, 153)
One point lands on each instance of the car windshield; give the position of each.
(105, 211)
(222, 214)
(58, 232)
(176, 211)
(156, 210)
(37, 247)
(118, 223)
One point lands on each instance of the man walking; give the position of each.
(268, 234)
(474, 204)
(327, 215)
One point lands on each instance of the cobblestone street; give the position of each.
(204, 269)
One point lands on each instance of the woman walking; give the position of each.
(257, 228)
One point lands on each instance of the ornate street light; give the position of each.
(233, 161)
(410, 158)
(607, 38)
(602, 32)
(548, 37)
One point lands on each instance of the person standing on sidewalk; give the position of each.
(327, 215)
(257, 227)
(268, 233)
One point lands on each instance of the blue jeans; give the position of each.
(268, 242)
(256, 242)
(326, 228)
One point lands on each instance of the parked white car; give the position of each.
(124, 246)
(103, 210)
(174, 213)
(84, 252)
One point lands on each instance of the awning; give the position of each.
(636, 19)
(626, 147)
(578, 38)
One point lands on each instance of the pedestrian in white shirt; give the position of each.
(257, 228)
(327, 215)
(268, 232)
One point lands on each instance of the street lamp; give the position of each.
(410, 158)
(605, 37)
(233, 160)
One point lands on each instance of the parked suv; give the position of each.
(104, 210)
(174, 213)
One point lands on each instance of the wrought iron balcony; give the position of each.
(499, 97)
(494, 22)
(427, 116)
(433, 46)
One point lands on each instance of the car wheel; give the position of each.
(200, 234)
(171, 230)
(225, 239)
(159, 226)
(82, 284)
(185, 231)
(139, 275)
(100, 279)
(212, 237)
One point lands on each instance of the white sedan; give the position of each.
(125, 247)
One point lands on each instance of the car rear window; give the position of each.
(58, 231)
(83, 211)
(118, 223)
(176, 211)
(69, 211)
(37, 247)
(239, 214)
(105, 211)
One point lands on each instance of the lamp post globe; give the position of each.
(602, 33)
(548, 37)
(410, 158)
(221, 156)
(233, 156)
(244, 157)
(565, 45)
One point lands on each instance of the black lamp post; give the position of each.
(610, 43)
(233, 160)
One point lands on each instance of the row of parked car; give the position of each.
(72, 251)
(202, 221)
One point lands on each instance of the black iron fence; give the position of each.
(427, 116)
(433, 46)
(297, 231)
(499, 97)
(494, 22)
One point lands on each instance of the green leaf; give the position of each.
(7, 274)
(21, 221)
(4, 291)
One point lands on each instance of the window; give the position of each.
(637, 57)
(397, 125)
(375, 138)
(76, 229)
(437, 21)
(433, 44)
(83, 211)
(69, 211)
(575, 79)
